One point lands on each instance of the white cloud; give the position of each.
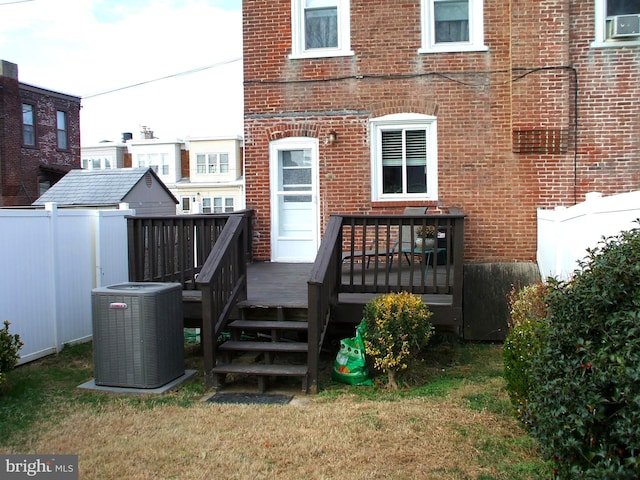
(84, 47)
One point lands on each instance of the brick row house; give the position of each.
(39, 137)
(495, 107)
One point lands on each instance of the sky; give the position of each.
(174, 66)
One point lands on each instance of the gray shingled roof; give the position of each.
(95, 187)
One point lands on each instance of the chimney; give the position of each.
(126, 136)
(146, 133)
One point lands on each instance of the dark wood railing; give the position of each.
(223, 282)
(174, 248)
(381, 254)
(378, 254)
(323, 295)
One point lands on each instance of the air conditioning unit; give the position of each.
(138, 339)
(623, 26)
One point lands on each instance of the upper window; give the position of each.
(159, 162)
(617, 21)
(217, 205)
(61, 128)
(98, 163)
(28, 125)
(212, 163)
(320, 28)
(452, 26)
(404, 162)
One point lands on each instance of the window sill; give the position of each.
(615, 43)
(321, 54)
(454, 49)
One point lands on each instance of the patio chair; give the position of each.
(369, 253)
(387, 253)
(408, 246)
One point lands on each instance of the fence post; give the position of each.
(52, 242)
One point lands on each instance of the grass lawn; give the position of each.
(451, 420)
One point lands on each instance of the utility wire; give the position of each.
(16, 1)
(174, 75)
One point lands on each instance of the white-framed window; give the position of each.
(452, 26)
(320, 28)
(217, 204)
(98, 163)
(617, 23)
(61, 128)
(158, 161)
(404, 157)
(212, 163)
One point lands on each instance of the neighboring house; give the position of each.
(204, 173)
(215, 183)
(141, 188)
(39, 137)
(104, 156)
(496, 108)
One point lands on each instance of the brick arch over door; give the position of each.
(292, 129)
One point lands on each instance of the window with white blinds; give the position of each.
(404, 160)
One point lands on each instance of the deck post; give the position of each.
(207, 337)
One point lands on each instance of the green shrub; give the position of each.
(527, 328)
(9, 347)
(585, 408)
(396, 328)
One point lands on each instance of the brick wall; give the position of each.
(21, 168)
(525, 82)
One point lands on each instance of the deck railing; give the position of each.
(223, 282)
(174, 248)
(323, 295)
(379, 254)
(383, 253)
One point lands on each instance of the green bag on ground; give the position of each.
(350, 366)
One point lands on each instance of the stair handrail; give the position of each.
(223, 283)
(323, 284)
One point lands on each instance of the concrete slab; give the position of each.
(91, 385)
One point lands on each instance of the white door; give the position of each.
(294, 200)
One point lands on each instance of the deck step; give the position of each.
(261, 369)
(282, 347)
(269, 325)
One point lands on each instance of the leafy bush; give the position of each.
(396, 328)
(9, 347)
(585, 407)
(527, 328)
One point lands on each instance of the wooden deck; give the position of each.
(274, 285)
(284, 285)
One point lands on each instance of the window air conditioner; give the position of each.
(623, 26)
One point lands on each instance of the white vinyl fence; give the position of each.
(51, 260)
(564, 234)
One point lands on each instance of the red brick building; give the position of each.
(496, 107)
(39, 137)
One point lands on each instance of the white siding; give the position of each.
(564, 234)
(51, 260)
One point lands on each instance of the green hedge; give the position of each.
(585, 406)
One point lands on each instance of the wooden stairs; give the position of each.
(266, 343)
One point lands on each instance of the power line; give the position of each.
(16, 1)
(180, 74)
